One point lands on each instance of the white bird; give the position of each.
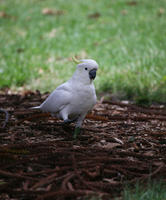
(72, 100)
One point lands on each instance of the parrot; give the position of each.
(72, 100)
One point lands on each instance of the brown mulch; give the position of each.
(40, 160)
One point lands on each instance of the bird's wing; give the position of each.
(59, 98)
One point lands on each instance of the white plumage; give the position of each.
(74, 98)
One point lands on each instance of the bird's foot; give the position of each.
(67, 121)
(76, 132)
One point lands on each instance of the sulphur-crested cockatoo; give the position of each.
(72, 100)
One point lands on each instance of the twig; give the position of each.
(137, 108)
(14, 175)
(147, 176)
(66, 193)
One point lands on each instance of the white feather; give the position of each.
(36, 107)
(74, 98)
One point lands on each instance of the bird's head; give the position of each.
(87, 69)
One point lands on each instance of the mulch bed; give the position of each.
(39, 159)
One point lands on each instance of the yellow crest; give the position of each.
(75, 60)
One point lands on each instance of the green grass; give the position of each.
(154, 191)
(127, 40)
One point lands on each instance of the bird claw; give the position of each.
(76, 132)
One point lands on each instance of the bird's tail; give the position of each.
(36, 107)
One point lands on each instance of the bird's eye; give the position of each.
(86, 68)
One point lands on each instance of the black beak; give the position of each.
(92, 74)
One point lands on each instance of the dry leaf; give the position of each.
(52, 34)
(70, 186)
(51, 59)
(124, 12)
(103, 142)
(118, 140)
(161, 11)
(20, 50)
(41, 71)
(132, 3)
(94, 15)
(111, 145)
(59, 12)
(4, 14)
(149, 153)
(110, 181)
(49, 11)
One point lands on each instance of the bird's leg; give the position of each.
(68, 121)
(80, 119)
(77, 131)
(65, 117)
(78, 125)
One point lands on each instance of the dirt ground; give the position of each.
(39, 159)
